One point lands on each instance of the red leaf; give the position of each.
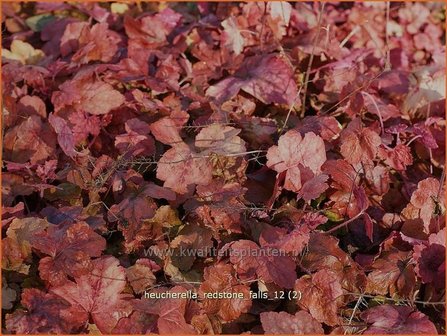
(369, 226)
(387, 319)
(131, 213)
(141, 276)
(222, 140)
(323, 252)
(430, 264)
(313, 188)
(269, 78)
(45, 313)
(321, 295)
(219, 205)
(97, 43)
(326, 127)
(180, 168)
(98, 294)
(171, 312)
(280, 239)
(250, 260)
(64, 135)
(284, 323)
(424, 202)
(86, 93)
(293, 151)
(392, 273)
(17, 243)
(136, 141)
(359, 144)
(32, 141)
(69, 41)
(166, 131)
(70, 247)
(342, 173)
(398, 158)
(220, 278)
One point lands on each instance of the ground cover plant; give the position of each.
(223, 168)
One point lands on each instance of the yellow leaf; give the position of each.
(119, 8)
(23, 52)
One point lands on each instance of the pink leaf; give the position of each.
(284, 323)
(86, 93)
(180, 167)
(64, 134)
(293, 151)
(268, 78)
(387, 319)
(98, 294)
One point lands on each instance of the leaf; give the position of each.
(428, 85)
(162, 148)
(250, 260)
(424, 202)
(387, 319)
(69, 41)
(38, 22)
(141, 276)
(65, 191)
(268, 78)
(284, 323)
(359, 144)
(131, 212)
(137, 323)
(86, 93)
(293, 151)
(282, 240)
(97, 43)
(136, 141)
(32, 140)
(166, 131)
(313, 188)
(321, 295)
(327, 128)
(180, 168)
(342, 173)
(119, 8)
(392, 273)
(369, 227)
(69, 248)
(430, 264)
(323, 252)
(98, 294)
(220, 278)
(64, 135)
(398, 158)
(9, 295)
(45, 313)
(17, 243)
(222, 140)
(219, 205)
(231, 36)
(171, 312)
(193, 241)
(23, 52)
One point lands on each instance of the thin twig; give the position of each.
(311, 59)
(357, 305)
(434, 303)
(387, 42)
(335, 228)
(290, 111)
(377, 109)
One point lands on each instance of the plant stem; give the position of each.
(311, 59)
